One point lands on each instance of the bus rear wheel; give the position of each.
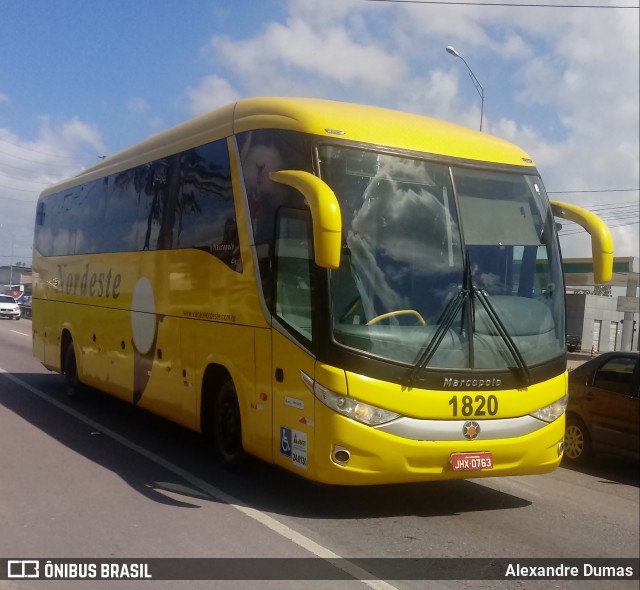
(227, 427)
(75, 388)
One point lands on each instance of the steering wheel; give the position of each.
(391, 314)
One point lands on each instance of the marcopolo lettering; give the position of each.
(88, 283)
(477, 383)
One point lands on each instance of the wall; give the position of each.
(583, 310)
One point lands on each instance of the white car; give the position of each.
(9, 308)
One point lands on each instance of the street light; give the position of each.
(475, 81)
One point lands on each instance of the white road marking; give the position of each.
(271, 523)
(21, 333)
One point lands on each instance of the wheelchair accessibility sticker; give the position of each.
(293, 444)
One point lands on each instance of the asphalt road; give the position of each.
(101, 479)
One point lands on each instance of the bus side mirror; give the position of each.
(325, 214)
(601, 241)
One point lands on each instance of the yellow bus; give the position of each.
(357, 295)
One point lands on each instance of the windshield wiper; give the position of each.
(468, 293)
(446, 319)
(502, 332)
(444, 322)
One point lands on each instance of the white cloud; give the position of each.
(577, 67)
(211, 93)
(333, 11)
(27, 167)
(299, 50)
(4, 98)
(515, 46)
(435, 95)
(590, 76)
(139, 110)
(138, 106)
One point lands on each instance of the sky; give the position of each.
(82, 79)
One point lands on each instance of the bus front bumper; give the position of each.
(350, 453)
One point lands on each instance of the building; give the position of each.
(597, 322)
(602, 323)
(16, 275)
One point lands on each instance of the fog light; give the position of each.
(341, 455)
(560, 447)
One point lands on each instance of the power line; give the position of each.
(34, 151)
(18, 200)
(580, 231)
(612, 222)
(29, 181)
(34, 162)
(616, 206)
(618, 214)
(613, 218)
(22, 190)
(38, 162)
(601, 190)
(506, 4)
(617, 209)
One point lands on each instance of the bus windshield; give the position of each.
(416, 234)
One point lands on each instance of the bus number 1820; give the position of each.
(474, 406)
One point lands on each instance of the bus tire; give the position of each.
(577, 441)
(227, 427)
(75, 388)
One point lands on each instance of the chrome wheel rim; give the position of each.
(573, 441)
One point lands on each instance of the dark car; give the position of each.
(603, 414)
(26, 310)
(574, 343)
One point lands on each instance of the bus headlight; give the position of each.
(552, 411)
(348, 406)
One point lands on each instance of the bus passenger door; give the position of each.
(292, 336)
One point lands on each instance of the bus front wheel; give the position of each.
(227, 427)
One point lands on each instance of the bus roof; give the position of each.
(338, 120)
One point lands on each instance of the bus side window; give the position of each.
(294, 257)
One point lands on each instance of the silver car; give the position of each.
(9, 308)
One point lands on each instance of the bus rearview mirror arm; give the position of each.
(325, 214)
(601, 240)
